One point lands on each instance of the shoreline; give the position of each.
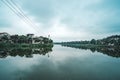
(24, 45)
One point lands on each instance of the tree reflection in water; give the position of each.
(24, 52)
(110, 51)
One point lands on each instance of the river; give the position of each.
(62, 63)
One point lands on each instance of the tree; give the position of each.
(14, 38)
(93, 41)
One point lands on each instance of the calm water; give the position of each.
(63, 63)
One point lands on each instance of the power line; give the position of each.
(21, 12)
(13, 9)
(22, 15)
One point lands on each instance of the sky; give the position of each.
(63, 20)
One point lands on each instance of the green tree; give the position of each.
(93, 41)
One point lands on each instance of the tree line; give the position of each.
(108, 41)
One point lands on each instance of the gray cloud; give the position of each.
(62, 18)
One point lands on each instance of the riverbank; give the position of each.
(24, 45)
(87, 46)
(113, 51)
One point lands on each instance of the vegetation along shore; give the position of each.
(109, 45)
(29, 40)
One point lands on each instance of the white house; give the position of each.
(38, 40)
(4, 34)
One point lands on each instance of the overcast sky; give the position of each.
(64, 20)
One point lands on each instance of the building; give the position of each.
(30, 35)
(38, 40)
(4, 34)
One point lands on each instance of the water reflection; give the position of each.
(110, 51)
(63, 64)
(24, 52)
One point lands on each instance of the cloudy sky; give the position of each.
(63, 20)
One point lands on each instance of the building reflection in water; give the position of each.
(24, 52)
